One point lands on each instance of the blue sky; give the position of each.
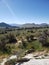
(24, 11)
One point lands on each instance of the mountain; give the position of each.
(15, 25)
(4, 25)
(44, 25)
(29, 25)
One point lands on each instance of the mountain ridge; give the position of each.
(35, 25)
(26, 25)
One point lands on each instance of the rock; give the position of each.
(13, 57)
(36, 62)
(22, 60)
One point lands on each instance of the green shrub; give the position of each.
(11, 38)
(37, 45)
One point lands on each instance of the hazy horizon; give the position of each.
(25, 23)
(24, 11)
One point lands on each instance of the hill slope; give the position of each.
(4, 25)
(29, 25)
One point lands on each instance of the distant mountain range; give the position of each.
(27, 25)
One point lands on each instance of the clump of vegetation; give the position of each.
(44, 38)
(11, 38)
(30, 38)
(4, 41)
(37, 45)
(23, 45)
(11, 62)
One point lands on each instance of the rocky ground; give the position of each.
(38, 58)
(36, 62)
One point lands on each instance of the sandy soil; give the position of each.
(36, 62)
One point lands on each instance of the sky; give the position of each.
(24, 11)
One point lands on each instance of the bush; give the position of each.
(11, 62)
(36, 45)
(3, 47)
(11, 38)
(30, 38)
(2, 42)
(43, 38)
(24, 44)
